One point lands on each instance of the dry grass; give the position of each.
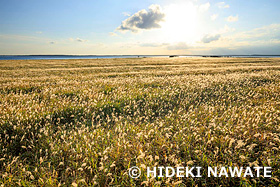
(85, 122)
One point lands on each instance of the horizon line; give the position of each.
(142, 55)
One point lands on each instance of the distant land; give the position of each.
(38, 57)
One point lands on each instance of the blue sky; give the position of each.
(139, 27)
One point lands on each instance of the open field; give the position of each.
(86, 122)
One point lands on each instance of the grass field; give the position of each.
(86, 122)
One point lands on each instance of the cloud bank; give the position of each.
(143, 20)
(178, 46)
(222, 5)
(214, 17)
(232, 18)
(210, 38)
(153, 44)
(204, 7)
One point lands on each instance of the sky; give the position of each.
(142, 27)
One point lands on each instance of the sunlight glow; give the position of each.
(180, 23)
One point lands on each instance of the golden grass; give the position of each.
(86, 122)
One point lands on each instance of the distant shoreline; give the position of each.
(52, 57)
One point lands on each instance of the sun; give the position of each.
(180, 23)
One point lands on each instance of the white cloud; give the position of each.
(266, 33)
(222, 5)
(21, 37)
(143, 19)
(210, 38)
(113, 34)
(262, 40)
(153, 44)
(232, 18)
(204, 7)
(214, 17)
(226, 29)
(77, 40)
(126, 14)
(80, 40)
(178, 46)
